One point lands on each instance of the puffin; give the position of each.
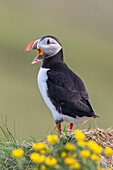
(62, 90)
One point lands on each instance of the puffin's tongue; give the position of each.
(39, 51)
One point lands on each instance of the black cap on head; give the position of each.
(50, 37)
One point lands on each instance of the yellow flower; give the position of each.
(50, 161)
(81, 143)
(39, 146)
(75, 166)
(95, 157)
(94, 147)
(17, 153)
(109, 168)
(108, 151)
(69, 161)
(70, 147)
(79, 135)
(44, 151)
(43, 167)
(85, 153)
(37, 158)
(63, 154)
(52, 139)
(90, 144)
(99, 168)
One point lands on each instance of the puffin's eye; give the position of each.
(48, 41)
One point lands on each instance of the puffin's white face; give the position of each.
(47, 47)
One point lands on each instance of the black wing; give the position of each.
(67, 92)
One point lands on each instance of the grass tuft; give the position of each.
(59, 155)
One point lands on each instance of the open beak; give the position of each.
(35, 45)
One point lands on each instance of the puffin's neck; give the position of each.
(49, 62)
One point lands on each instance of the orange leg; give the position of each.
(71, 127)
(59, 128)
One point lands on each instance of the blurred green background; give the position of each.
(85, 30)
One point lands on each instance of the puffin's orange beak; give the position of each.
(35, 45)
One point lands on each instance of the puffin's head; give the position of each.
(47, 47)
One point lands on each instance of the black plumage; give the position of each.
(65, 89)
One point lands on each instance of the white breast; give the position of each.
(42, 83)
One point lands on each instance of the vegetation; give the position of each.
(77, 150)
(85, 30)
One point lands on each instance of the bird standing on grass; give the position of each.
(62, 90)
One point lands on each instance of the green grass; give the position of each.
(9, 143)
(85, 30)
